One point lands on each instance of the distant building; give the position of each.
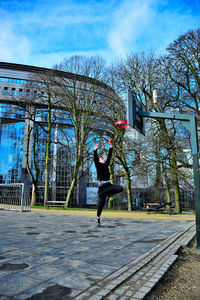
(15, 95)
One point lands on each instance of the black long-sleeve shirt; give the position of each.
(102, 168)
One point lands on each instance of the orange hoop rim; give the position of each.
(122, 124)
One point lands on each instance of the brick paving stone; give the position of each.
(149, 284)
(96, 297)
(103, 292)
(120, 291)
(83, 296)
(145, 289)
(110, 286)
(154, 279)
(113, 297)
(140, 295)
(129, 293)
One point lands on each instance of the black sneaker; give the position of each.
(98, 222)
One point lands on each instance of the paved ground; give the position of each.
(54, 256)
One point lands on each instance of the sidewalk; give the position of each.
(63, 255)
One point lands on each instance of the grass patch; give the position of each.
(60, 208)
(112, 210)
(83, 209)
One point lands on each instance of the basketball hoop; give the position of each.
(122, 124)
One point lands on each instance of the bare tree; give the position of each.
(44, 102)
(182, 65)
(141, 74)
(86, 100)
(47, 99)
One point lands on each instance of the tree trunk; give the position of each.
(46, 185)
(128, 181)
(69, 193)
(167, 185)
(177, 195)
(175, 184)
(72, 185)
(110, 202)
(33, 196)
(128, 185)
(34, 180)
(167, 190)
(111, 199)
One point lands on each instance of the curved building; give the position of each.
(24, 109)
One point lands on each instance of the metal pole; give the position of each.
(54, 164)
(192, 128)
(197, 196)
(189, 122)
(22, 197)
(195, 150)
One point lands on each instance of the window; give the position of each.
(13, 91)
(20, 92)
(42, 95)
(11, 152)
(14, 80)
(27, 93)
(5, 91)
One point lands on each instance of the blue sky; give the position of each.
(44, 32)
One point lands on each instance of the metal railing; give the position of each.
(14, 197)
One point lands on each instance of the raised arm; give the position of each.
(96, 158)
(109, 152)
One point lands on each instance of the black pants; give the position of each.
(106, 190)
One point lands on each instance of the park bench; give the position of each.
(56, 204)
(157, 206)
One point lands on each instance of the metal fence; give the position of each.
(14, 197)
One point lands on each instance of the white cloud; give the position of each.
(149, 24)
(130, 19)
(42, 33)
(45, 33)
(13, 46)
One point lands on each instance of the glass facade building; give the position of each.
(15, 125)
(11, 142)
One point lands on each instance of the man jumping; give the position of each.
(105, 188)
